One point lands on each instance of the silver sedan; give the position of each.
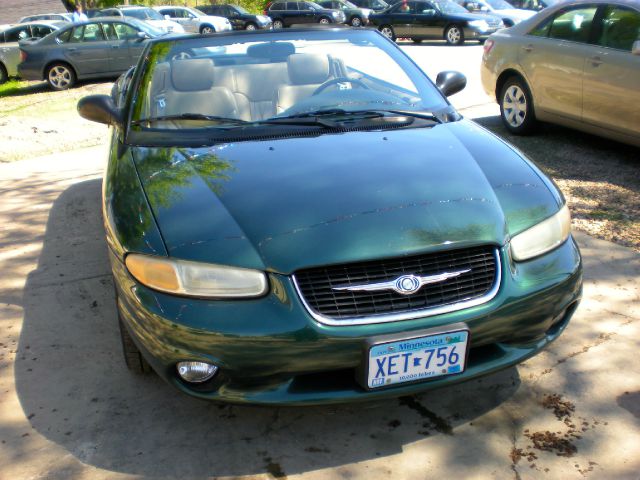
(576, 64)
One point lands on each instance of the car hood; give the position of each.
(286, 204)
(213, 19)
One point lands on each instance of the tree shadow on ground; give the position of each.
(76, 391)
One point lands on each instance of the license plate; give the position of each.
(416, 359)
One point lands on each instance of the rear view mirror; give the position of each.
(635, 48)
(101, 109)
(450, 82)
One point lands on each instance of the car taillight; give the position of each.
(488, 45)
(23, 55)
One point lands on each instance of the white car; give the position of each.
(145, 14)
(193, 20)
(508, 13)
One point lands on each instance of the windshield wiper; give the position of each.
(191, 116)
(334, 116)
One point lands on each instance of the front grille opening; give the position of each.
(316, 285)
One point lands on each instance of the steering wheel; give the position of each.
(336, 80)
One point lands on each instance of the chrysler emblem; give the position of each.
(404, 284)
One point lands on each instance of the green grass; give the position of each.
(13, 87)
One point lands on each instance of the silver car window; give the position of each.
(620, 28)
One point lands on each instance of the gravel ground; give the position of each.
(599, 178)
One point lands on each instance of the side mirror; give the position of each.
(101, 109)
(635, 48)
(450, 82)
(142, 36)
(167, 17)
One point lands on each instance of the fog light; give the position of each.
(196, 372)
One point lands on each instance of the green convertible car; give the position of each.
(301, 217)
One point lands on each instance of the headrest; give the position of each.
(271, 50)
(308, 68)
(192, 75)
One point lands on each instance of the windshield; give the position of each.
(450, 7)
(499, 4)
(241, 81)
(239, 9)
(142, 13)
(349, 5)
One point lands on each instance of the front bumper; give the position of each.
(476, 34)
(270, 350)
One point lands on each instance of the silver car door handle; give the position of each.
(527, 48)
(595, 61)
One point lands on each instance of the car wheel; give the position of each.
(3, 74)
(324, 21)
(516, 107)
(387, 31)
(207, 30)
(250, 26)
(61, 76)
(277, 24)
(416, 40)
(132, 356)
(356, 22)
(454, 35)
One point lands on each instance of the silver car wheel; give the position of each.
(277, 24)
(454, 35)
(250, 26)
(356, 22)
(514, 105)
(207, 31)
(324, 21)
(387, 32)
(60, 77)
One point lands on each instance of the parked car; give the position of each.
(576, 64)
(9, 49)
(193, 20)
(509, 15)
(240, 19)
(355, 16)
(144, 14)
(375, 5)
(287, 13)
(434, 19)
(300, 216)
(99, 48)
(54, 17)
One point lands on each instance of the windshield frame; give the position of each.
(204, 136)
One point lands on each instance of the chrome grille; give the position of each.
(341, 307)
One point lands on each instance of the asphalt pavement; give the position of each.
(69, 409)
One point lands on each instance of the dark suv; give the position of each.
(240, 19)
(285, 14)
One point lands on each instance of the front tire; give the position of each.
(324, 21)
(250, 26)
(387, 31)
(454, 35)
(516, 107)
(207, 30)
(61, 76)
(3, 74)
(132, 357)
(277, 24)
(356, 22)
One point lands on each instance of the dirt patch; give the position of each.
(35, 120)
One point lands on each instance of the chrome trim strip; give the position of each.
(397, 286)
(396, 317)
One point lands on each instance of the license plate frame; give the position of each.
(411, 339)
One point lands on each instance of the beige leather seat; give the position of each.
(187, 86)
(307, 71)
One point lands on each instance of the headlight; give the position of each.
(479, 24)
(335, 14)
(543, 237)
(194, 279)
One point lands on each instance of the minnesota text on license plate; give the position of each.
(417, 358)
